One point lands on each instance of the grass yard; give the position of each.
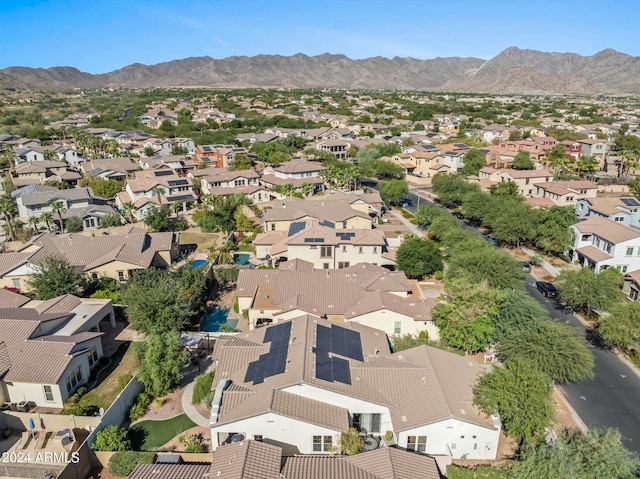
(123, 362)
(203, 240)
(245, 248)
(479, 472)
(152, 435)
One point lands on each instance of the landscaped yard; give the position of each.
(203, 240)
(123, 362)
(152, 435)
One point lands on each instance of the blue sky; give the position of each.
(100, 36)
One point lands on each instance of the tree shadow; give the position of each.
(137, 436)
(596, 340)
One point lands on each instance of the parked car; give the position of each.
(492, 239)
(547, 289)
(405, 203)
(526, 267)
(458, 215)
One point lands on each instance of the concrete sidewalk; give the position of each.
(190, 410)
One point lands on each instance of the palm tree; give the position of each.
(33, 222)
(176, 208)
(47, 216)
(222, 254)
(127, 210)
(58, 208)
(9, 209)
(158, 191)
(307, 189)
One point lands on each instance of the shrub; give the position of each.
(535, 259)
(192, 443)
(202, 387)
(139, 406)
(81, 391)
(123, 380)
(122, 463)
(236, 306)
(438, 275)
(112, 438)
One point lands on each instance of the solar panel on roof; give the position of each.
(340, 368)
(630, 202)
(275, 361)
(296, 227)
(163, 173)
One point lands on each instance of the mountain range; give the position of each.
(512, 71)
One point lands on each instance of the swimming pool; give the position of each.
(241, 258)
(213, 319)
(197, 263)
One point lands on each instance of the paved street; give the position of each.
(612, 397)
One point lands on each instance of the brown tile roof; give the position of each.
(323, 467)
(420, 386)
(172, 471)
(606, 229)
(9, 299)
(61, 304)
(419, 310)
(299, 166)
(10, 261)
(607, 205)
(393, 463)
(594, 253)
(246, 460)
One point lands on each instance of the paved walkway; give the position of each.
(413, 228)
(189, 409)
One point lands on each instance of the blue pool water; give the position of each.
(214, 318)
(197, 263)
(241, 258)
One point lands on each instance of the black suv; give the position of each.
(547, 289)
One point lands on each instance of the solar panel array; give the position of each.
(178, 182)
(336, 340)
(314, 240)
(296, 227)
(275, 361)
(327, 223)
(630, 202)
(345, 236)
(163, 173)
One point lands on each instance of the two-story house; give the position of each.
(301, 383)
(297, 172)
(595, 148)
(37, 172)
(566, 193)
(601, 243)
(155, 188)
(625, 210)
(117, 169)
(525, 179)
(339, 148)
(222, 182)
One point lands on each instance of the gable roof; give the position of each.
(296, 208)
(246, 460)
(605, 228)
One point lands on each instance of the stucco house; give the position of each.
(525, 179)
(566, 193)
(48, 348)
(363, 293)
(624, 210)
(117, 169)
(301, 383)
(601, 243)
(37, 172)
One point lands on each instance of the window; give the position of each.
(633, 295)
(607, 247)
(461, 437)
(623, 268)
(619, 218)
(120, 275)
(359, 249)
(48, 393)
(344, 225)
(397, 327)
(93, 356)
(417, 443)
(257, 437)
(325, 265)
(16, 283)
(473, 437)
(325, 251)
(343, 264)
(344, 249)
(74, 379)
(629, 252)
(322, 443)
(475, 446)
(273, 226)
(94, 275)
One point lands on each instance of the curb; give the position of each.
(576, 417)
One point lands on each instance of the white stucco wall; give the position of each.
(385, 320)
(446, 437)
(276, 429)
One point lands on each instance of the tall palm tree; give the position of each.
(33, 222)
(159, 191)
(9, 209)
(47, 216)
(58, 208)
(128, 210)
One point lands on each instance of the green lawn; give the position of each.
(480, 472)
(152, 435)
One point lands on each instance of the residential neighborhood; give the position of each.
(306, 283)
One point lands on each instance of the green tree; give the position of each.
(111, 438)
(56, 276)
(521, 395)
(479, 261)
(587, 165)
(159, 191)
(466, 314)
(155, 303)
(451, 189)
(577, 455)
(102, 188)
(74, 224)
(518, 312)
(149, 151)
(158, 219)
(418, 257)
(202, 387)
(426, 213)
(515, 224)
(584, 289)
(408, 341)
(392, 191)
(47, 217)
(621, 327)
(387, 170)
(240, 162)
(474, 161)
(57, 207)
(128, 211)
(123, 463)
(110, 220)
(554, 234)
(9, 210)
(161, 359)
(522, 161)
(505, 188)
(350, 442)
(554, 348)
(179, 150)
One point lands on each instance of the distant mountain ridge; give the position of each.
(511, 71)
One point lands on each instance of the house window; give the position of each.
(359, 249)
(619, 218)
(629, 252)
(417, 443)
(325, 265)
(623, 268)
(48, 393)
(325, 251)
(273, 226)
(607, 248)
(93, 356)
(257, 437)
(633, 295)
(344, 249)
(461, 437)
(343, 264)
(397, 327)
(375, 249)
(344, 225)
(322, 443)
(94, 275)
(74, 379)
(16, 283)
(120, 275)
(366, 422)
